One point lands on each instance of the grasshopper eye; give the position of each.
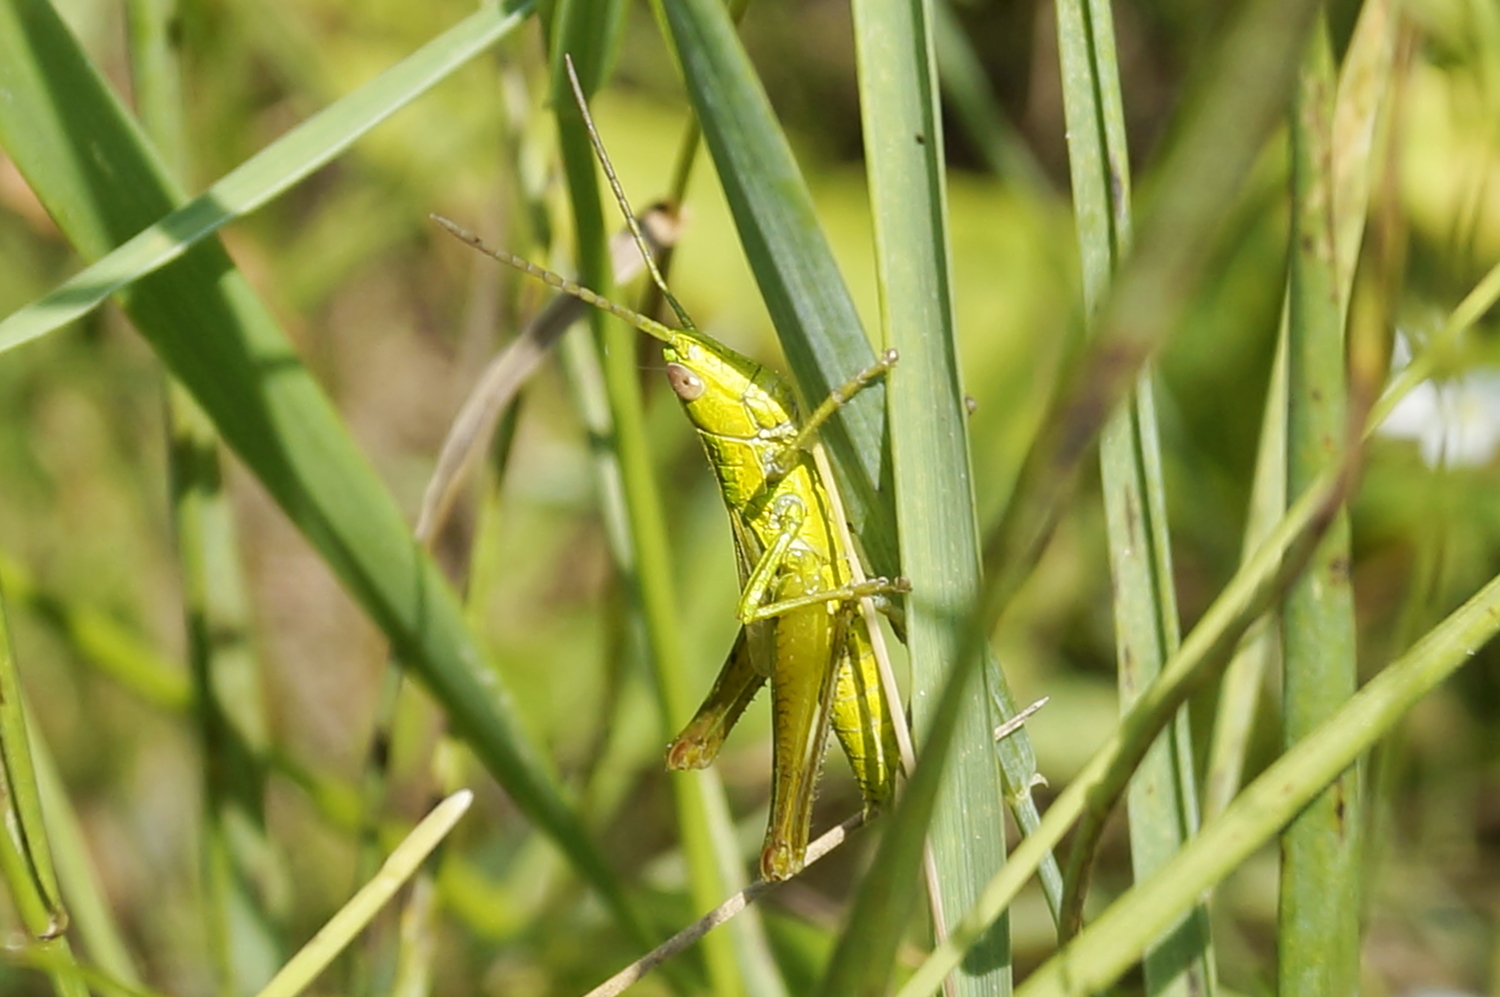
(687, 385)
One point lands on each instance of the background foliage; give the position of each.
(395, 320)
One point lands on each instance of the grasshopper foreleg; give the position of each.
(835, 400)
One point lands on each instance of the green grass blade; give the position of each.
(314, 957)
(1162, 798)
(814, 316)
(1091, 794)
(1240, 692)
(1116, 940)
(1364, 85)
(232, 727)
(1318, 924)
(26, 865)
(583, 29)
(92, 920)
(156, 241)
(934, 499)
(28, 856)
(1223, 128)
(206, 325)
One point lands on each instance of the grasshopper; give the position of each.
(798, 603)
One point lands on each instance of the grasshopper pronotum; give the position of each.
(798, 602)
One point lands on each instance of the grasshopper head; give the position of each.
(728, 395)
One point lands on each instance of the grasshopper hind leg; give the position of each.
(738, 682)
(802, 677)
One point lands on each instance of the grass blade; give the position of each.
(1320, 879)
(1162, 799)
(25, 853)
(1113, 943)
(934, 498)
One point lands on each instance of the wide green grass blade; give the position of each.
(153, 242)
(207, 326)
(813, 313)
(934, 499)
(1318, 923)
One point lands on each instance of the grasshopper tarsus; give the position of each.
(685, 754)
(781, 861)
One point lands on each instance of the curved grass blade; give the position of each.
(26, 865)
(91, 916)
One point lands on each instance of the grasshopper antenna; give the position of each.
(648, 325)
(621, 200)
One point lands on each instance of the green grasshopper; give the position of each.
(798, 603)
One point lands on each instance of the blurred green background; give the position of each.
(396, 319)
